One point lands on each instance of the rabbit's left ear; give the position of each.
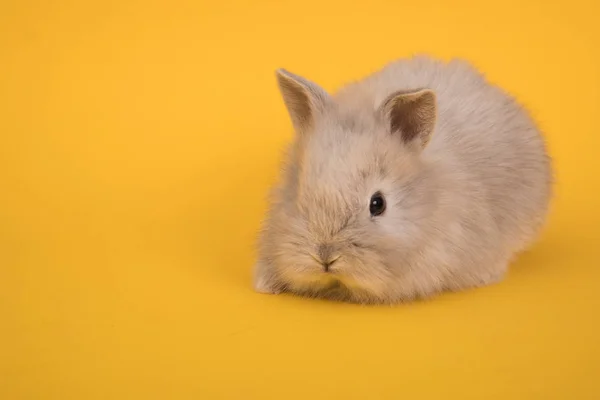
(303, 99)
(411, 115)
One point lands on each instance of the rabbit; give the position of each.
(419, 179)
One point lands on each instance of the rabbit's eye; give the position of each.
(377, 204)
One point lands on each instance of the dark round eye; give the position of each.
(377, 204)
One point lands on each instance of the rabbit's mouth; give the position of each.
(334, 287)
(337, 289)
(333, 290)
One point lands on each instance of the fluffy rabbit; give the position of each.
(419, 179)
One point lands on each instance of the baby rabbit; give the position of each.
(419, 179)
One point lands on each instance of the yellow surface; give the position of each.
(137, 144)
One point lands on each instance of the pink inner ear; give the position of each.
(412, 115)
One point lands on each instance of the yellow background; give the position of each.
(137, 144)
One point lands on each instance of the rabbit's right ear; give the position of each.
(303, 99)
(411, 115)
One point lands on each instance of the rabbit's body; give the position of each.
(460, 165)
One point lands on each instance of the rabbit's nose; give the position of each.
(327, 257)
(327, 264)
(324, 252)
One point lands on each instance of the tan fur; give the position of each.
(461, 201)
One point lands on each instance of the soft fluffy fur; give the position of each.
(462, 200)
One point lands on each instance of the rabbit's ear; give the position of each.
(411, 115)
(303, 99)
